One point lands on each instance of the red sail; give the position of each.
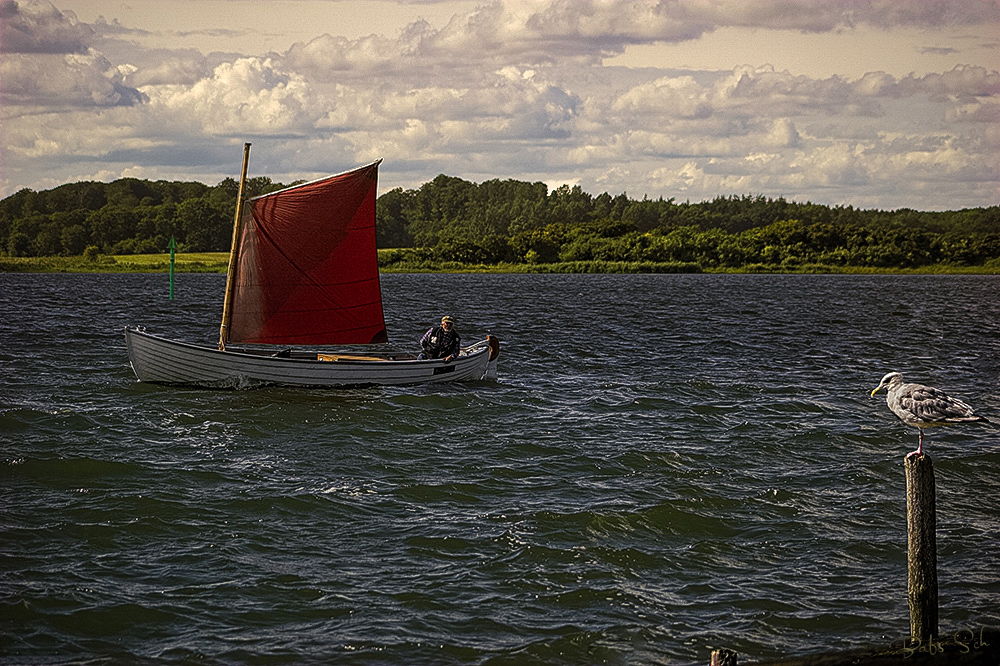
(307, 268)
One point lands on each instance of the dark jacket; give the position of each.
(438, 343)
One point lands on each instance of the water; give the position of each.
(666, 465)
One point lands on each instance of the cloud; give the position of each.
(71, 79)
(248, 96)
(964, 83)
(783, 134)
(38, 27)
(171, 69)
(666, 97)
(587, 31)
(939, 50)
(986, 112)
(48, 61)
(513, 90)
(924, 14)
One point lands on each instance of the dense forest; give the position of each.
(506, 221)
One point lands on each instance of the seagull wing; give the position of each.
(933, 406)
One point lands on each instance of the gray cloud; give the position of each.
(938, 50)
(38, 27)
(587, 31)
(183, 69)
(84, 80)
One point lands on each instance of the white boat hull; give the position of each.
(159, 360)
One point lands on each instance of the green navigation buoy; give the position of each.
(172, 247)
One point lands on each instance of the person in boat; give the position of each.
(441, 341)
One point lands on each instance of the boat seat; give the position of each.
(346, 357)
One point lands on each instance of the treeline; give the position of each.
(518, 222)
(450, 220)
(127, 216)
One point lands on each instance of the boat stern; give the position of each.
(491, 365)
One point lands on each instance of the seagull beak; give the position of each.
(876, 390)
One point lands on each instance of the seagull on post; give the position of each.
(924, 406)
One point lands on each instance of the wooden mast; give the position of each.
(233, 253)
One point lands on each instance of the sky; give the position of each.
(871, 103)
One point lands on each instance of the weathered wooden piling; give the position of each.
(921, 548)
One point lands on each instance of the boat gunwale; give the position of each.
(129, 330)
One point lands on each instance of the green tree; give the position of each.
(203, 227)
(391, 223)
(74, 239)
(18, 244)
(109, 225)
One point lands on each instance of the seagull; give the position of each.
(924, 406)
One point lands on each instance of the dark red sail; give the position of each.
(307, 268)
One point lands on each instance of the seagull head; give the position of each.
(890, 379)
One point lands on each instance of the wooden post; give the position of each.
(921, 548)
(723, 657)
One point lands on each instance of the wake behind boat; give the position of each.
(303, 276)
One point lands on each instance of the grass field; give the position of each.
(195, 262)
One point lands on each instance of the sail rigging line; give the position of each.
(227, 302)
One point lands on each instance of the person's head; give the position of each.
(447, 322)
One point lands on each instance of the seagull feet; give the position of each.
(920, 447)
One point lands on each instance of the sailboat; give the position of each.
(302, 283)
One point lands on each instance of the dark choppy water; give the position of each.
(667, 465)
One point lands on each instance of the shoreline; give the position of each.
(218, 262)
